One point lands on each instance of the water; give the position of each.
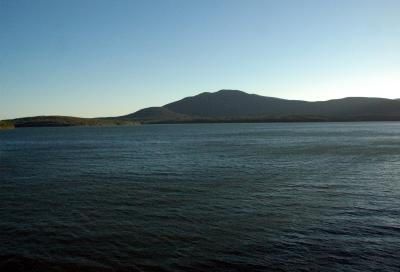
(218, 197)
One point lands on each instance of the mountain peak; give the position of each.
(222, 92)
(229, 91)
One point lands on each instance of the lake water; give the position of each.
(208, 197)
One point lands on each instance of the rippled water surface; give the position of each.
(218, 197)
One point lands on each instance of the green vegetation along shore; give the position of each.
(65, 121)
(6, 125)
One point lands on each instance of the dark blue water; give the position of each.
(220, 197)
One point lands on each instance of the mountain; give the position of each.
(235, 105)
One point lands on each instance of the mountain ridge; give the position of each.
(237, 106)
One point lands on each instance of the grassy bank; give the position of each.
(6, 125)
(65, 121)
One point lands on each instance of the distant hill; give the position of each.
(234, 105)
(62, 121)
(154, 113)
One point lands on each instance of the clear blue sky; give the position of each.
(103, 58)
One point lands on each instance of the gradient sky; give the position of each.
(105, 58)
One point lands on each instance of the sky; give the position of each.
(93, 58)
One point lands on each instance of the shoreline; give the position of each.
(11, 126)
